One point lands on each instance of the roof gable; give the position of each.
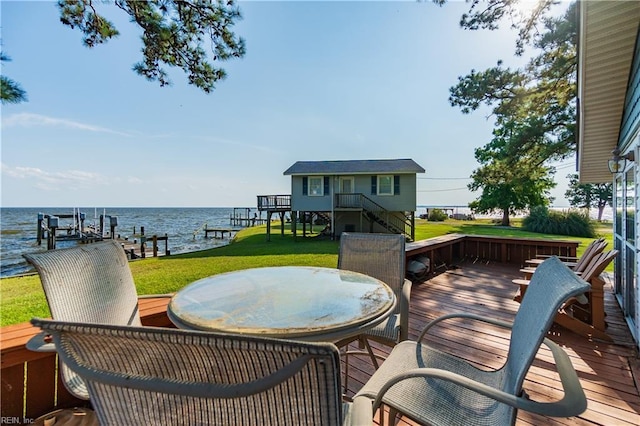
(399, 166)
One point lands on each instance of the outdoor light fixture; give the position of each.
(619, 162)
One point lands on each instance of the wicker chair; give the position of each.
(159, 376)
(89, 283)
(437, 388)
(381, 256)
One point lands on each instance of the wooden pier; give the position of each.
(219, 231)
(145, 246)
(241, 217)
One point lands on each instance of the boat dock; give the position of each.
(241, 217)
(219, 231)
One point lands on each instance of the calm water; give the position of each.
(18, 227)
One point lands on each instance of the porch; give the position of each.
(608, 372)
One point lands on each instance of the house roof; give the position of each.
(401, 166)
(608, 32)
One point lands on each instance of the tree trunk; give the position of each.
(505, 217)
(600, 211)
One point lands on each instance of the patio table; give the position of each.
(290, 302)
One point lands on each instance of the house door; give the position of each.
(346, 185)
(625, 241)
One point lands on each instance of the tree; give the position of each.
(539, 101)
(589, 195)
(508, 184)
(174, 33)
(10, 91)
(535, 110)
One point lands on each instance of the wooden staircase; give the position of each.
(374, 212)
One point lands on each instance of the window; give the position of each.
(385, 185)
(316, 186)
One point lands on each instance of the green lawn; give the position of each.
(21, 298)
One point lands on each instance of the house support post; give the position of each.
(413, 226)
(282, 224)
(294, 223)
(269, 213)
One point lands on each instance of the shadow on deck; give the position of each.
(605, 370)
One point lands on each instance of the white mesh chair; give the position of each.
(89, 283)
(159, 376)
(381, 256)
(437, 388)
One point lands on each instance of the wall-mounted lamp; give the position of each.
(619, 162)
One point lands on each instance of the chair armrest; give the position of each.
(155, 296)
(41, 342)
(405, 299)
(573, 403)
(361, 412)
(563, 258)
(498, 323)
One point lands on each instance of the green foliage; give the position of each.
(570, 222)
(509, 185)
(535, 107)
(437, 215)
(10, 91)
(173, 34)
(487, 14)
(589, 195)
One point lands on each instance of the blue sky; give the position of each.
(320, 81)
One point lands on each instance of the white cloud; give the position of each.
(69, 179)
(28, 120)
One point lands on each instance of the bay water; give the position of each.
(184, 228)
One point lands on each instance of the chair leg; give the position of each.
(366, 350)
(364, 341)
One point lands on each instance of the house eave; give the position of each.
(607, 36)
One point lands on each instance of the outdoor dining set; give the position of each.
(273, 345)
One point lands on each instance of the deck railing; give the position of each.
(274, 202)
(30, 383)
(390, 220)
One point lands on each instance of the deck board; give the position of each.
(606, 370)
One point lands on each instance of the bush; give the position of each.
(567, 222)
(437, 215)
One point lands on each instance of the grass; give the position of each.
(22, 298)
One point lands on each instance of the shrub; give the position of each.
(437, 215)
(567, 222)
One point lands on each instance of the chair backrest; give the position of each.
(551, 285)
(147, 375)
(598, 264)
(596, 247)
(381, 256)
(88, 283)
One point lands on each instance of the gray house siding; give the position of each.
(405, 200)
(631, 112)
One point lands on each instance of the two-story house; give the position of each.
(356, 195)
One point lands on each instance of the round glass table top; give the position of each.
(285, 302)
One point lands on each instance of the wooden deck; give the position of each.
(605, 370)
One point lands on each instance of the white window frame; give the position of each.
(379, 189)
(351, 179)
(316, 186)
